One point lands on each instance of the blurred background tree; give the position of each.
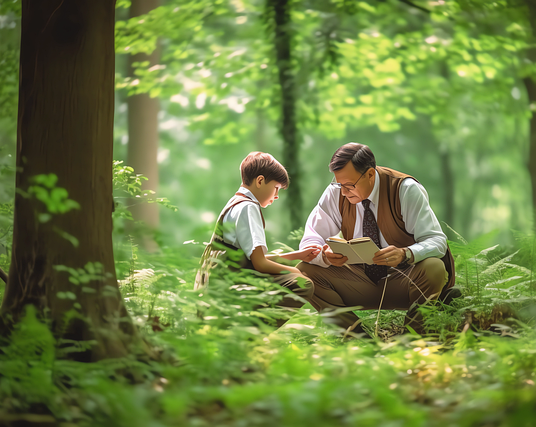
(143, 134)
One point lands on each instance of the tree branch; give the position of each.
(3, 276)
(416, 6)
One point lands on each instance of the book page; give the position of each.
(358, 251)
(366, 249)
(341, 247)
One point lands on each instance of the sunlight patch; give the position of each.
(180, 99)
(208, 217)
(203, 163)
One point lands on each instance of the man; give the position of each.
(414, 264)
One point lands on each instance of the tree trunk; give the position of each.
(448, 183)
(289, 132)
(531, 92)
(143, 140)
(65, 127)
(446, 168)
(530, 84)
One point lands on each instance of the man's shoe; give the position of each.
(448, 295)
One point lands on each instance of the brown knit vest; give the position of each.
(390, 221)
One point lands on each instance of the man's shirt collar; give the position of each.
(375, 194)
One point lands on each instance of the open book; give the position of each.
(358, 251)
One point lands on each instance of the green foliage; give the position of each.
(10, 12)
(231, 367)
(127, 185)
(56, 199)
(91, 271)
(6, 233)
(26, 363)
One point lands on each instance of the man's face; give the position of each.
(268, 192)
(348, 177)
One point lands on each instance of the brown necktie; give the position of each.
(370, 229)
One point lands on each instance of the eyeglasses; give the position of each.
(346, 186)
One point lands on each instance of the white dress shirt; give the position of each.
(325, 220)
(242, 225)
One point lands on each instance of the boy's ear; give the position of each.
(259, 180)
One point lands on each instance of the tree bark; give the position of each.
(289, 131)
(531, 92)
(530, 85)
(449, 178)
(65, 127)
(143, 140)
(448, 183)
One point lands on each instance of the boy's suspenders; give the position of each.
(211, 251)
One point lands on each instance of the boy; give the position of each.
(239, 233)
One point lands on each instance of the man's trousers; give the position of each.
(349, 286)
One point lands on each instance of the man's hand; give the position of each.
(338, 260)
(390, 256)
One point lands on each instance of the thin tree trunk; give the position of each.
(448, 183)
(446, 169)
(65, 127)
(289, 131)
(143, 139)
(530, 84)
(531, 92)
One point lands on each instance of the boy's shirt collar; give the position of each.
(248, 193)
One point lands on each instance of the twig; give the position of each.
(416, 6)
(351, 328)
(380, 307)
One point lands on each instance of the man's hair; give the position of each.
(257, 163)
(360, 155)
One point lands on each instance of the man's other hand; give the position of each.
(390, 256)
(329, 257)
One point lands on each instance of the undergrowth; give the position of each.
(233, 368)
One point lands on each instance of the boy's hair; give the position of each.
(257, 163)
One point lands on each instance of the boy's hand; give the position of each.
(309, 253)
(338, 260)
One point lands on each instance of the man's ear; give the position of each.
(259, 180)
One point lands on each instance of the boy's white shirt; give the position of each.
(242, 226)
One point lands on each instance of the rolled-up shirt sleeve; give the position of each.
(421, 221)
(323, 222)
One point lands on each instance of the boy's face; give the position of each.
(267, 192)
